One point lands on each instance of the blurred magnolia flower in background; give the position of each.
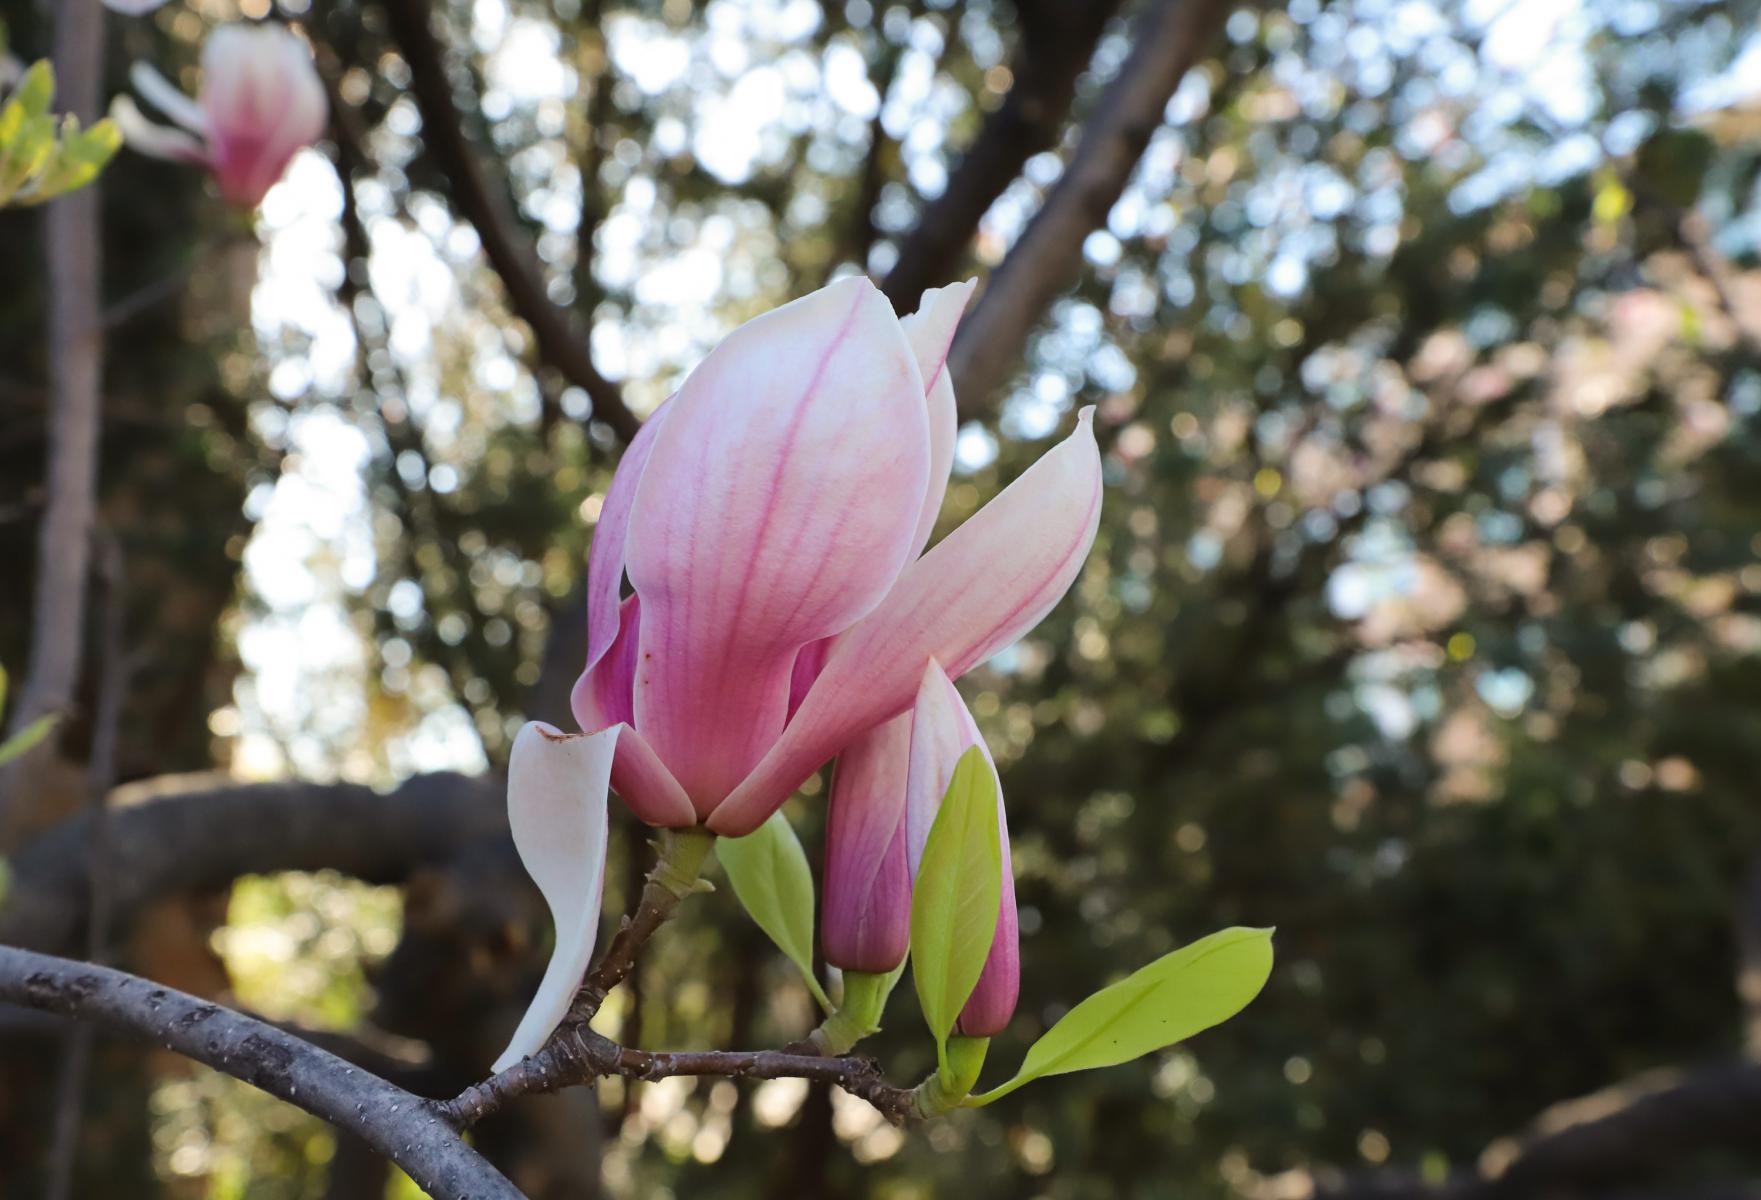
(260, 103)
(133, 8)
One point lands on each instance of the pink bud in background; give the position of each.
(260, 103)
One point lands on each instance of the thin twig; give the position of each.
(582, 1056)
(115, 670)
(575, 1054)
(401, 1126)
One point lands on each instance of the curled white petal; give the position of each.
(557, 785)
(157, 141)
(164, 95)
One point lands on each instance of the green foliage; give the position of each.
(40, 157)
(28, 737)
(955, 901)
(771, 877)
(1178, 995)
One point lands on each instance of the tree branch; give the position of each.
(1609, 1137)
(1168, 39)
(397, 1124)
(76, 368)
(581, 1056)
(1057, 41)
(559, 342)
(206, 833)
(114, 672)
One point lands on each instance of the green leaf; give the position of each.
(4, 682)
(1176, 996)
(27, 737)
(36, 90)
(79, 158)
(771, 877)
(955, 901)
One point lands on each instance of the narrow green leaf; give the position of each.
(4, 683)
(27, 737)
(771, 877)
(36, 89)
(955, 901)
(1176, 996)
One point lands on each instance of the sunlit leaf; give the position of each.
(958, 893)
(26, 738)
(771, 877)
(1178, 995)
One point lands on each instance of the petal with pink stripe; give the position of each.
(984, 585)
(777, 508)
(867, 921)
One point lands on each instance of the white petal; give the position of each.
(557, 786)
(158, 141)
(163, 95)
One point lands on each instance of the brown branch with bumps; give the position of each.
(578, 1055)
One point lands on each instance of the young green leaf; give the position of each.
(771, 877)
(27, 737)
(958, 892)
(1176, 996)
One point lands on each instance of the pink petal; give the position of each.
(931, 331)
(777, 508)
(984, 585)
(867, 921)
(647, 786)
(808, 664)
(602, 696)
(556, 810)
(942, 729)
(605, 561)
(263, 102)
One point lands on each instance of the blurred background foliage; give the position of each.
(1424, 622)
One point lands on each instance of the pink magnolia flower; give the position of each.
(260, 103)
(885, 794)
(770, 517)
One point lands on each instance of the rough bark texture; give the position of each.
(400, 1126)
